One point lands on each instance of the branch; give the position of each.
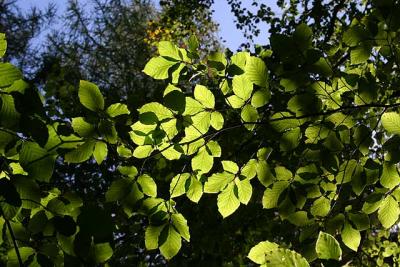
(13, 239)
(331, 27)
(332, 111)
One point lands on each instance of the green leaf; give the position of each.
(388, 212)
(230, 166)
(372, 203)
(158, 67)
(321, 207)
(118, 190)
(333, 143)
(264, 174)
(192, 106)
(271, 195)
(217, 182)
(260, 98)
(25, 253)
(108, 131)
(102, 252)
(351, 237)
(281, 121)
(153, 112)
(204, 96)
(175, 75)
(28, 191)
(172, 244)
(181, 226)
(303, 36)
(217, 61)
(9, 116)
(270, 254)
(134, 195)
(249, 170)
(175, 99)
(80, 154)
(217, 120)
(130, 171)
(83, 128)
(100, 152)
(303, 104)
(193, 43)
(258, 253)
(142, 152)
(327, 247)
(299, 218)
(195, 190)
(169, 50)
(360, 54)
(90, 96)
(235, 101)
(360, 220)
(346, 171)
(117, 109)
(354, 35)
(256, 71)
(390, 175)
(170, 152)
(227, 201)
(3, 44)
(213, 148)
(239, 59)
(391, 122)
(148, 185)
(287, 258)
(203, 161)
(249, 114)
(242, 87)
(124, 152)
(177, 186)
(282, 173)
(290, 140)
(36, 161)
(8, 74)
(245, 190)
(151, 236)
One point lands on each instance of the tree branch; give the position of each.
(13, 238)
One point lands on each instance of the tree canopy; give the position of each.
(285, 156)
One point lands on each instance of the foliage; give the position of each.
(178, 20)
(21, 27)
(103, 43)
(288, 157)
(380, 248)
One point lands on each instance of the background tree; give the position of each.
(23, 28)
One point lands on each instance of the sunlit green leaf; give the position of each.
(227, 201)
(388, 212)
(351, 237)
(169, 50)
(3, 44)
(204, 96)
(391, 122)
(172, 244)
(328, 247)
(148, 185)
(90, 96)
(158, 67)
(117, 109)
(100, 152)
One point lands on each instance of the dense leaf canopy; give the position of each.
(283, 157)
